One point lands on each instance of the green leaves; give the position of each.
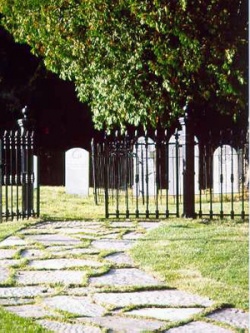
(137, 61)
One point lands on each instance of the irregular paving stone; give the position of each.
(31, 291)
(77, 305)
(199, 327)
(121, 324)
(166, 314)
(122, 225)
(15, 301)
(154, 297)
(12, 241)
(232, 317)
(84, 230)
(60, 327)
(33, 253)
(37, 277)
(7, 253)
(4, 274)
(81, 291)
(132, 235)
(125, 277)
(53, 239)
(68, 224)
(120, 258)
(117, 245)
(63, 263)
(76, 251)
(9, 262)
(30, 311)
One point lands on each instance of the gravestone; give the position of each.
(77, 171)
(225, 164)
(144, 167)
(176, 163)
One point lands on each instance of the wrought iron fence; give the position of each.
(144, 176)
(19, 184)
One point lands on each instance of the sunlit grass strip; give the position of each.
(210, 260)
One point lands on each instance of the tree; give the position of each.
(139, 62)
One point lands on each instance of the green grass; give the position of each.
(207, 259)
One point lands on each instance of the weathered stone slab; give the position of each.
(124, 277)
(37, 277)
(33, 253)
(62, 327)
(12, 241)
(154, 297)
(115, 245)
(73, 252)
(9, 262)
(132, 235)
(63, 263)
(129, 325)
(233, 317)
(4, 274)
(199, 327)
(7, 253)
(78, 305)
(166, 314)
(119, 258)
(68, 224)
(32, 291)
(130, 225)
(83, 230)
(80, 291)
(15, 301)
(54, 239)
(30, 311)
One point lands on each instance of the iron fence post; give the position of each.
(1, 176)
(188, 166)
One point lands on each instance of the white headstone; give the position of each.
(173, 163)
(144, 167)
(225, 164)
(77, 171)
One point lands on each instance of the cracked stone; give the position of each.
(232, 317)
(166, 314)
(117, 245)
(154, 297)
(125, 277)
(70, 252)
(30, 311)
(15, 301)
(132, 235)
(37, 277)
(119, 258)
(63, 263)
(31, 291)
(9, 262)
(13, 241)
(7, 253)
(4, 274)
(33, 253)
(121, 324)
(60, 327)
(130, 225)
(77, 305)
(54, 239)
(198, 327)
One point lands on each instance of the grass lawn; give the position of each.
(208, 259)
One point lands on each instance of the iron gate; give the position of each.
(19, 184)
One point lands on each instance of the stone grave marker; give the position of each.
(173, 162)
(225, 164)
(144, 165)
(77, 171)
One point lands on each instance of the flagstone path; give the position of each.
(78, 277)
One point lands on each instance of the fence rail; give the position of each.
(144, 176)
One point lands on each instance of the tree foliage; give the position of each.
(140, 61)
